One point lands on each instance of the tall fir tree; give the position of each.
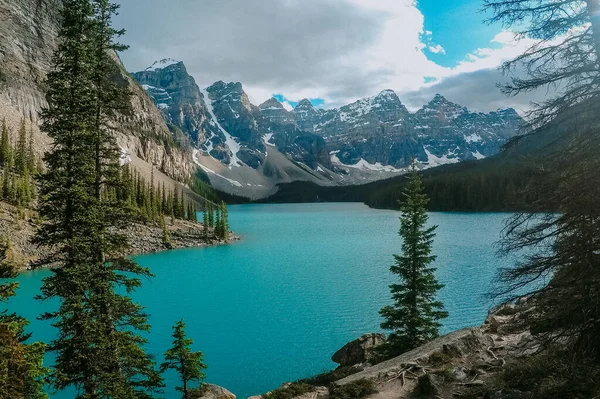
(414, 317)
(5, 150)
(205, 223)
(22, 374)
(218, 225)
(97, 350)
(188, 364)
(31, 160)
(21, 153)
(211, 215)
(224, 222)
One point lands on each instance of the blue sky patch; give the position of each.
(457, 26)
(317, 102)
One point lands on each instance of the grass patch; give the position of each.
(290, 391)
(354, 390)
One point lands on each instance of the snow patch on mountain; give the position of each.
(433, 160)
(162, 64)
(364, 165)
(267, 138)
(478, 155)
(208, 170)
(233, 145)
(473, 138)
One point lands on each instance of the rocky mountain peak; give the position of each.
(230, 92)
(304, 104)
(387, 95)
(163, 64)
(271, 104)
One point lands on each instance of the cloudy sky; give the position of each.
(331, 51)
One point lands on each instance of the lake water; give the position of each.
(304, 280)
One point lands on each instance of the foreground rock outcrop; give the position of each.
(359, 351)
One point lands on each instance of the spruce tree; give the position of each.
(218, 225)
(5, 147)
(205, 223)
(98, 350)
(176, 211)
(414, 317)
(188, 364)
(21, 159)
(22, 374)
(31, 161)
(224, 222)
(211, 215)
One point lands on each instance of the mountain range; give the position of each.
(177, 128)
(247, 149)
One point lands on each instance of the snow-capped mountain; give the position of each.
(381, 130)
(368, 139)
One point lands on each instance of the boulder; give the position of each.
(211, 391)
(359, 351)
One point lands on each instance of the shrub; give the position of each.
(327, 378)
(554, 375)
(354, 390)
(290, 391)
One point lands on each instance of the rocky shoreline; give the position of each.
(463, 364)
(20, 227)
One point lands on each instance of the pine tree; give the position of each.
(21, 160)
(218, 225)
(6, 186)
(31, 160)
(414, 316)
(188, 364)
(211, 215)
(182, 205)
(163, 202)
(22, 374)
(5, 151)
(224, 222)
(98, 350)
(205, 223)
(176, 212)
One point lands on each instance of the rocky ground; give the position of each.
(20, 227)
(464, 364)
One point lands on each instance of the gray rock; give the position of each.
(358, 351)
(211, 391)
(460, 373)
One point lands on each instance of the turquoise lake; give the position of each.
(304, 280)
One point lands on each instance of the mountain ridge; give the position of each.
(372, 138)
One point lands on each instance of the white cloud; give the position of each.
(337, 50)
(287, 106)
(437, 49)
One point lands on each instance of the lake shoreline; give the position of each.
(143, 238)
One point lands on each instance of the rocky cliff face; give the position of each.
(28, 30)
